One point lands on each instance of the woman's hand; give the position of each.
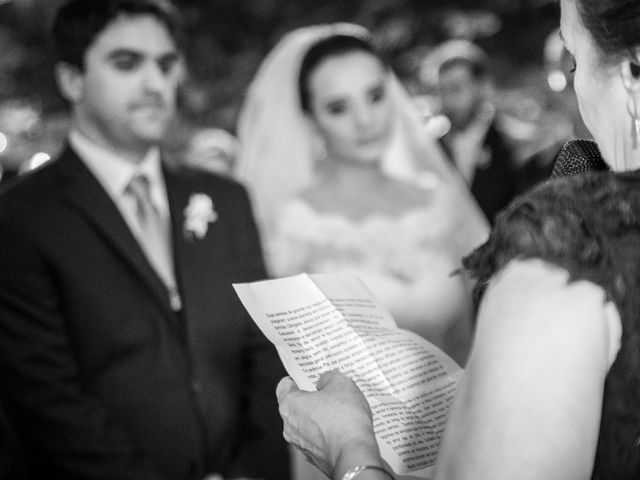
(332, 427)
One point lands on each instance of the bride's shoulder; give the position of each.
(410, 193)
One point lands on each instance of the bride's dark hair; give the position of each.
(332, 46)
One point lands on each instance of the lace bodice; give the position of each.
(400, 247)
(405, 260)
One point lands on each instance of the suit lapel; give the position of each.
(194, 258)
(184, 256)
(85, 193)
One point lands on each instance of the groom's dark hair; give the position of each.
(79, 22)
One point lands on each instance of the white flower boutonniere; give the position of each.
(198, 215)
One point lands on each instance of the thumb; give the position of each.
(285, 386)
(326, 378)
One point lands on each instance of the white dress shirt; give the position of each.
(115, 173)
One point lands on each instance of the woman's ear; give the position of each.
(70, 81)
(630, 72)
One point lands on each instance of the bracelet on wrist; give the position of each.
(355, 471)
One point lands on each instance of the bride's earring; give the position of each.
(320, 150)
(318, 144)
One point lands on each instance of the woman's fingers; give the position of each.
(320, 423)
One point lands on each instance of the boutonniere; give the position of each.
(198, 215)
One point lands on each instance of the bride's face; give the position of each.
(351, 106)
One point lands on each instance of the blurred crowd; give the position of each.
(535, 101)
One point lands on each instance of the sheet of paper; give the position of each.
(333, 322)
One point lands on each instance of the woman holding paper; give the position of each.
(552, 386)
(345, 179)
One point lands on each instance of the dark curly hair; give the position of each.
(588, 224)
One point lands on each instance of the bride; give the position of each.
(345, 179)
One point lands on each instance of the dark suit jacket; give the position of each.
(495, 184)
(99, 377)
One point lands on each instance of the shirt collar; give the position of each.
(115, 172)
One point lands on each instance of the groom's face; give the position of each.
(127, 92)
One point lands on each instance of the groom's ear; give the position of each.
(70, 81)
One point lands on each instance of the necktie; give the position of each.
(155, 240)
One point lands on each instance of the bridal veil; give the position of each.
(280, 153)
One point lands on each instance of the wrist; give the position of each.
(362, 451)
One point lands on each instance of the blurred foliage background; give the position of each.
(227, 39)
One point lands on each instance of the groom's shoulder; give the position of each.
(36, 185)
(197, 178)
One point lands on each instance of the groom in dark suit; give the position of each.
(124, 352)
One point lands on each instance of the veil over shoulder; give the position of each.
(280, 153)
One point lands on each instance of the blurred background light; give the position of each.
(38, 159)
(3, 142)
(557, 80)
